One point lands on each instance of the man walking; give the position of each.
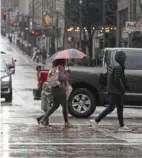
(116, 85)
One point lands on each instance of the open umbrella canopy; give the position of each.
(68, 54)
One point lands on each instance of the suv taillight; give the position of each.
(43, 76)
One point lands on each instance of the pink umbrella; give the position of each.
(68, 54)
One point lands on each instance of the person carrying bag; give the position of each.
(58, 79)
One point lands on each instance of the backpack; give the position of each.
(53, 77)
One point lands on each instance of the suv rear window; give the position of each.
(134, 59)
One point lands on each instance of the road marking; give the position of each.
(96, 143)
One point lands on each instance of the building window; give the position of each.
(139, 9)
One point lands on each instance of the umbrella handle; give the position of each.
(67, 64)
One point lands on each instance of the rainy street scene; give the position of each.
(71, 79)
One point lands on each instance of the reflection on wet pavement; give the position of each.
(33, 141)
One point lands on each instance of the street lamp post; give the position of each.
(104, 22)
(81, 17)
(57, 26)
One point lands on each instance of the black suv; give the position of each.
(87, 91)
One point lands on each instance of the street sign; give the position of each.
(133, 26)
(47, 20)
(13, 16)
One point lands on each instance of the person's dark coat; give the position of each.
(116, 81)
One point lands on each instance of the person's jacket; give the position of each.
(116, 80)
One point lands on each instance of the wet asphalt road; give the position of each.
(21, 137)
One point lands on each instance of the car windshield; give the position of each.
(2, 66)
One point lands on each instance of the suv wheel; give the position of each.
(82, 103)
(8, 98)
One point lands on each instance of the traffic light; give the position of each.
(4, 15)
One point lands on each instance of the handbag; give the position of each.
(37, 94)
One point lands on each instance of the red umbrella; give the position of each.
(68, 54)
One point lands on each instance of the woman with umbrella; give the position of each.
(59, 81)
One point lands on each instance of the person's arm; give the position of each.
(117, 78)
(124, 81)
(63, 75)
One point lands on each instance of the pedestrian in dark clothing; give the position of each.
(116, 85)
(59, 93)
(44, 56)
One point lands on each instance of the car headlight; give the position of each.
(6, 79)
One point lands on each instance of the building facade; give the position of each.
(24, 7)
(53, 9)
(9, 4)
(128, 10)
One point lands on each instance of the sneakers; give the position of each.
(124, 129)
(44, 123)
(38, 120)
(68, 125)
(94, 125)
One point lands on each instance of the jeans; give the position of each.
(114, 100)
(59, 97)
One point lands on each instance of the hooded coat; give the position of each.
(116, 81)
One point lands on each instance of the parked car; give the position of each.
(10, 62)
(88, 93)
(6, 81)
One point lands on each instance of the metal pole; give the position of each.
(57, 29)
(104, 21)
(81, 16)
(53, 29)
(33, 11)
(118, 30)
(7, 28)
(42, 24)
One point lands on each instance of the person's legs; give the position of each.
(120, 106)
(51, 110)
(61, 98)
(108, 110)
(65, 110)
(119, 103)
